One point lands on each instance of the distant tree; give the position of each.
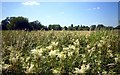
(65, 28)
(100, 26)
(54, 27)
(117, 27)
(71, 25)
(92, 27)
(18, 23)
(76, 27)
(109, 28)
(36, 25)
(4, 23)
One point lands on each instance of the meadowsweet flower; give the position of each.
(70, 54)
(76, 42)
(110, 54)
(109, 46)
(14, 60)
(66, 49)
(88, 46)
(37, 53)
(52, 53)
(83, 55)
(116, 59)
(5, 66)
(49, 47)
(54, 43)
(84, 60)
(56, 70)
(99, 45)
(83, 69)
(72, 47)
(103, 38)
(104, 72)
(61, 55)
(27, 59)
(87, 66)
(31, 68)
(77, 70)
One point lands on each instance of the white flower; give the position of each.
(103, 38)
(65, 49)
(49, 47)
(99, 45)
(116, 59)
(31, 68)
(84, 60)
(14, 59)
(72, 47)
(27, 59)
(83, 55)
(77, 70)
(55, 71)
(83, 69)
(61, 55)
(87, 66)
(52, 53)
(88, 46)
(109, 46)
(76, 42)
(54, 43)
(70, 54)
(37, 52)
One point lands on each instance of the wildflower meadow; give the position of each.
(59, 52)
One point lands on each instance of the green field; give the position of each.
(70, 52)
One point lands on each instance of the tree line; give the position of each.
(22, 23)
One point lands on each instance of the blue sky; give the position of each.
(64, 13)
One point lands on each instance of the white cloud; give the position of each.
(31, 3)
(95, 8)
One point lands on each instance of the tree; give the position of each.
(71, 27)
(36, 25)
(65, 28)
(100, 26)
(76, 27)
(4, 23)
(54, 27)
(117, 27)
(109, 28)
(18, 23)
(93, 27)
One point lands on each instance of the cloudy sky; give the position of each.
(64, 13)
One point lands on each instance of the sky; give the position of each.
(64, 13)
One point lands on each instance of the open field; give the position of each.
(69, 52)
